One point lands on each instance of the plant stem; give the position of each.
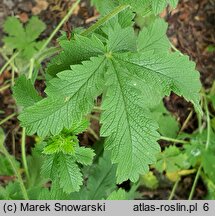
(206, 147)
(174, 189)
(13, 77)
(195, 183)
(16, 172)
(4, 87)
(47, 53)
(208, 124)
(91, 131)
(176, 50)
(9, 62)
(104, 19)
(7, 59)
(7, 118)
(24, 160)
(31, 69)
(60, 25)
(173, 140)
(186, 121)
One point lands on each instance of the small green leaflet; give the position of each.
(64, 169)
(131, 79)
(149, 180)
(172, 160)
(62, 155)
(23, 39)
(168, 125)
(101, 181)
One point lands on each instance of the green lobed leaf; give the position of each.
(76, 50)
(154, 38)
(23, 38)
(34, 28)
(12, 191)
(84, 155)
(131, 83)
(172, 160)
(71, 96)
(130, 131)
(69, 172)
(157, 75)
(123, 41)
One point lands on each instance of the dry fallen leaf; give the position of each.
(23, 17)
(40, 6)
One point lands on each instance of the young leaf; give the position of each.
(171, 160)
(64, 142)
(61, 162)
(69, 172)
(34, 28)
(168, 125)
(84, 155)
(149, 180)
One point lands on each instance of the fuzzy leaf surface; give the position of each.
(71, 96)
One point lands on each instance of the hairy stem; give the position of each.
(9, 62)
(16, 171)
(173, 140)
(195, 183)
(206, 147)
(7, 118)
(7, 59)
(186, 121)
(172, 194)
(31, 69)
(60, 25)
(24, 160)
(104, 19)
(4, 87)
